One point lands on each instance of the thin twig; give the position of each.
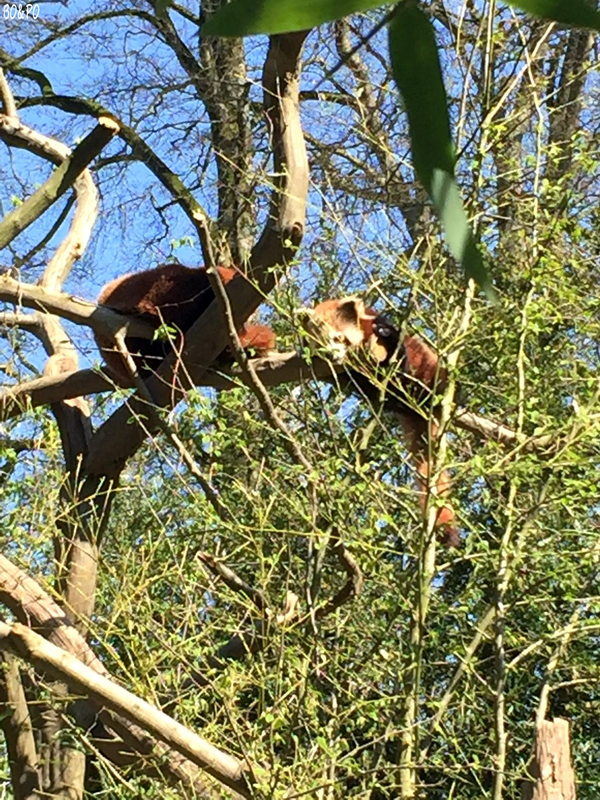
(251, 378)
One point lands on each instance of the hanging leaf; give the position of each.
(246, 17)
(417, 71)
(578, 13)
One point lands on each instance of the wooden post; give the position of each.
(551, 771)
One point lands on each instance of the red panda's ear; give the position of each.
(366, 320)
(326, 309)
(351, 321)
(337, 322)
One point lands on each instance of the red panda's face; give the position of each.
(336, 324)
(347, 324)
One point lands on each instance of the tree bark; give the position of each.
(551, 770)
(53, 661)
(16, 724)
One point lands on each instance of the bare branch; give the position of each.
(33, 323)
(285, 226)
(6, 97)
(233, 581)
(32, 606)
(55, 389)
(59, 182)
(272, 371)
(75, 242)
(500, 433)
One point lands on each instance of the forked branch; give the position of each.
(59, 182)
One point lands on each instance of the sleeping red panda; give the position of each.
(170, 294)
(347, 324)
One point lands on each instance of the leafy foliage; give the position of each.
(321, 702)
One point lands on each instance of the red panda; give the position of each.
(170, 294)
(348, 324)
(342, 325)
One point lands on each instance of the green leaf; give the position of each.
(246, 17)
(417, 71)
(578, 13)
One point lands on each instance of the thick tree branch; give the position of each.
(59, 182)
(62, 666)
(118, 439)
(18, 732)
(32, 323)
(272, 371)
(6, 97)
(32, 606)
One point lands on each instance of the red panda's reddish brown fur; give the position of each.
(349, 322)
(171, 294)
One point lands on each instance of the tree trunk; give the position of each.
(552, 775)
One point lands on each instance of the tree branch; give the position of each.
(34, 607)
(23, 758)
(59, 182)
(233, 581)
(353, 586)
(140, 151)
(62, 666)
(272, 371)
(118, 438)
(82, 312)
